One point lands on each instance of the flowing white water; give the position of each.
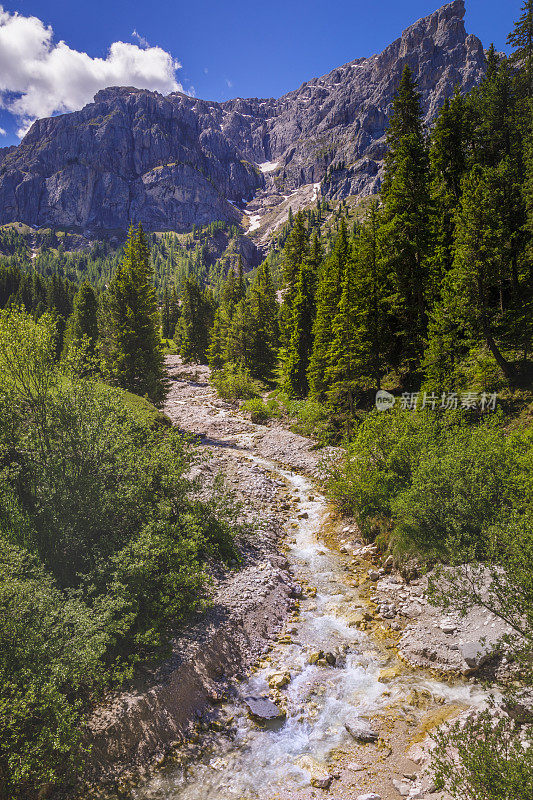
(261, 763)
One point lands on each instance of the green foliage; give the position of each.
(330, 280)
(487, 756)
(245, 330)
(460, 488)
(379, 464)
(521, 39)
(50, 647)
(233, 382)
(406, 218)
(307, 417)
(195, 319)
(437, 483)
(104, 548)
(298, 314)
(130, 345)
(259, 412)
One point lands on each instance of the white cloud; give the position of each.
(229, 83)
(3, 132)
(39, 77)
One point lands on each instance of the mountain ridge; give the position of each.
(175, 161)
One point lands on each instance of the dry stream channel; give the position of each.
(310, 752)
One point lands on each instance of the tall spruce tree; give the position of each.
(194, 323)
(406, 218)
(356, 358)
(521, 39)
(297, 352)
(328, 295)
(82, 326)
(133, 352)
(83, 321)
(473, 287)
(448, 161)
(263, 318)
(295, 253)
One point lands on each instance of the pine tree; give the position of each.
(217, 341)
(521, 38)
(448, 160)
(195, 321)
(133, 351)
(295, 253)
(495, 115)
(357, 352)
(233, 290)
(83, 323)
(480, 245)
(328, 296)
(297, 352)
(263, 319)
(406, 218)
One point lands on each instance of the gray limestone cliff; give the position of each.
(171, 162)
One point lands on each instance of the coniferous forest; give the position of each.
(423, 293)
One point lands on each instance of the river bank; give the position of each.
(303, 623)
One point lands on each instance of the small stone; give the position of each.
(353, 766)
(315, 657)
(403, 788)
(331, 659)
(389, 674)
(321, 783)
(356, 619)
(303, 515)
(279, 680)
(475, 653)
(262, 709)
(361, 730)
(371, 796)
(447, 626)
(373, 575)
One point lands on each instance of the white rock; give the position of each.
(402, 787)
(447, 626)
(370, 796)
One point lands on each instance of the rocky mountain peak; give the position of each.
(171, 162)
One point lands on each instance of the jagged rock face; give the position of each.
(171, 162)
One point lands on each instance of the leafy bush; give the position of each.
(440, 482)
(485, 757)
(259, 412)
(234, 382)
(308, 417)
(379, 464)
(460, 488)
(104, 548)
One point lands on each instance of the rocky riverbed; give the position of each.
(305, 678)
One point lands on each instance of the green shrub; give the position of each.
(104, 548)
(379, 463)
(259, 412)
(458, 490)
(234, 382)
(308, 417)
(485, 757)
(437, 481)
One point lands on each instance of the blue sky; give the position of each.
(226, 49)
